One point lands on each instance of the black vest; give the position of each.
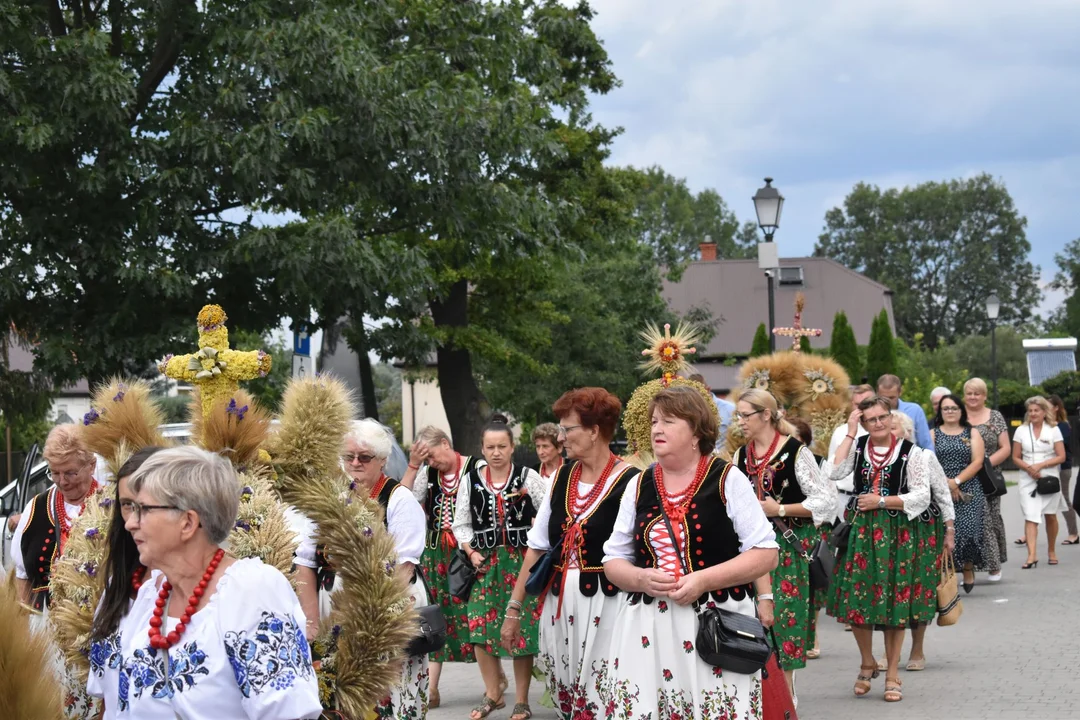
(39, 545)
(596, 528)
(893, 477)
(520, 510)
(433, 503)
(324, 571)
(710, 535)
(779, 480)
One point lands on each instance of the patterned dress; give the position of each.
(881, 578)
(792, 476)
(495, 521)
(242, 655)
(929, 527)
(653, 669)
(438, 495)
(995, 545)
(954, 454)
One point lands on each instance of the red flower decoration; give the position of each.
(905, 536)
(789, 648)
(878, 534)
(688, 646)
(786, 587)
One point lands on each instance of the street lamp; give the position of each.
(993, 307)
(768, 202)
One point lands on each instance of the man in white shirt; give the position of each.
(846, 486)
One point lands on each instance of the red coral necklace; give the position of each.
(164, 642)
(63, 522)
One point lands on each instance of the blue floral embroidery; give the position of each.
(147, 670)
(105, 654)
(276, 655)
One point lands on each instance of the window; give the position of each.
(791, 275)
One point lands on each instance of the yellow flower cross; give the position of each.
(214, 368)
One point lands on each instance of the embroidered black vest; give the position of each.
(519, 508)
(710, 535)
(893, 477)
(778, 478)
(596, 528)
(433, 503)
(39, 546)
(324, 571)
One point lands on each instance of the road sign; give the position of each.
(302, 367)
(301, 344)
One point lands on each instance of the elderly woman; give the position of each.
(209, 635)
(549, 449)
(434, 474)
(576, 517)
(1038, 450)
(43, 528)
(995, 436)
(875, 583)
(719, 543)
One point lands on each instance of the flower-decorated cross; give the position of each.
(798, 331)
(215, 369)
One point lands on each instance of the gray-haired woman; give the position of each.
(211, 636)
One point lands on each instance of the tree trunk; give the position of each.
(356, 336)
(466, 407)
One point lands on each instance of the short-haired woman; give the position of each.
(795, 496)
(549, 449)
(995, 435)
(1039, 451)
(496, 505)
(434, 474)
(690, 530)
(209, 635)
(877, 582)
(577, 516)
(1061, 416)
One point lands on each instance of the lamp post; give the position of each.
(768, 202)
(993, 307)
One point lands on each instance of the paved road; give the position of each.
(1015, 654)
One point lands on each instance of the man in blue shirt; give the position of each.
(724, 408)
(889, 387)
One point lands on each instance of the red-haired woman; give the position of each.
(577, 517)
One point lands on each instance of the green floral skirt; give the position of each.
(792, 598)
(881, 579)
(487, 605)
(435, 564)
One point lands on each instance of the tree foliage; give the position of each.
(1065, 385)
(973, 353)
(942, 247)
(761, 342)
(1066, 318)
(844, 349)
(881, 353)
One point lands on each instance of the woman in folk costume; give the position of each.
(496, 505)
(434, 475)
(364, 453)
(876, 583)
(689, 529)
(795, 497)
(576, 519)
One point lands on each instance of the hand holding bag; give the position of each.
(991, 479)
(821, 559)
(432, 635)
(462, 575)
(543, 571)
(948, 594)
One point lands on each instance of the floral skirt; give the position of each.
(818, 597)
(487, 604)
(880, 578)
(653, 669)
(792, 599)
(573, 646)
(435, 564)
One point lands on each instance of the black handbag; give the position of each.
(432, 623)
(1046, 486)
(725, 639)
(991, 479)
(462, 575)
(839, 537)
(543, 571)
(821, 559)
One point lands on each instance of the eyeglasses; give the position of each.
(949, 408)
(876, 420)
(747, 416)
(130, 508)
(564, 430)
(350, 458)
(70, 475)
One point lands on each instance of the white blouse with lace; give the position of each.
(243, 655)
(939, 485)
(819, 489)
(463, 529)
(917, 497)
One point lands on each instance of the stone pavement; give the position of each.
(1014, 654)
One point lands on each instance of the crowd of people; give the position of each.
(186, 630)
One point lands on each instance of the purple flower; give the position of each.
(367, 532)
(239, 412)
(262, 356)
(91, 417)
(92, 533)
(335, 631)
(106, 502)
(90, 569)
(243, 525)
(119, 397)
(389, 567)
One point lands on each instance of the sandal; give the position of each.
(1071, 541)
(434, 700)
(916, 665)
(862, 682)
(893, 693)
(521, 711)
(1019, 542)
(488, 706)
(813, 654)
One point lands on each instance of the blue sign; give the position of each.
(301, 344)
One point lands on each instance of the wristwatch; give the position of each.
(783, 511)
(881, 504)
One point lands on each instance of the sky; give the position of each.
(821, 95)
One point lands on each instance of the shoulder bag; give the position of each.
(541, 574)
(462, 575)
(432, 622)
(728, 640)
(821, 559)
(991, 479)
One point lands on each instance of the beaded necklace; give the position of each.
(878, 463)
(446, 514)
(676, 511)
(164, 642)
(577, 504)
(63, 522)
(378, 487)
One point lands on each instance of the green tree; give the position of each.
(1065, 385)
(266, 390)
(761, 342)
(1066, 318)
(804, 345)
(388, 396)
(844, 349)
(25, 398)
(881, 353)
(942, 247)
(973, 353)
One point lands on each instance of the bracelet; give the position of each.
(765, 596)
(515, 604)
(952, 530)
(413, 467)
(850, 437)
(508, 616)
